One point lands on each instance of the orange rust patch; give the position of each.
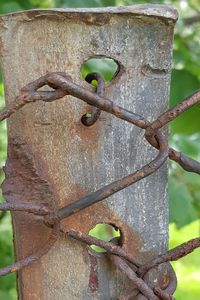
(86, 18)
(13, 270)
(91, 136)
(26, 181)
(87, 218)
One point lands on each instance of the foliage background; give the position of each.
(184, 192)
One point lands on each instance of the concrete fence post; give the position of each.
(53, 158)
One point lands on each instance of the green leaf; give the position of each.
(87, 3)
(108, 2)
(106, 67)
(8, 7)
(81, 3)
(188, 144)
(7, 283)
(179, 198)
(183, 84)
(186, 268)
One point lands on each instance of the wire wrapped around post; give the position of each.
(130, 265)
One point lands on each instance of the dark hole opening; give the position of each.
(104, 232)
(106, 67)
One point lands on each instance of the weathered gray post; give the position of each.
(54, 158)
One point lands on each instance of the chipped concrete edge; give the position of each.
(160, 11)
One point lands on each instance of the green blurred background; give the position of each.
(184, 191)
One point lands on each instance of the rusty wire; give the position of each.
(20, 264)
(90, 119)
(63, 85)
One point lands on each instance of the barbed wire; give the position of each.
(62, 85)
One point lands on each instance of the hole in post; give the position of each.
(108, 68)
(99, 71)
(105, 232)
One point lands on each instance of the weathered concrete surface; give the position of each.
(53, 158)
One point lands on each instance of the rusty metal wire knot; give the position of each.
(63, 85)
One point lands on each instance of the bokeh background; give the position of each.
(184, 188)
